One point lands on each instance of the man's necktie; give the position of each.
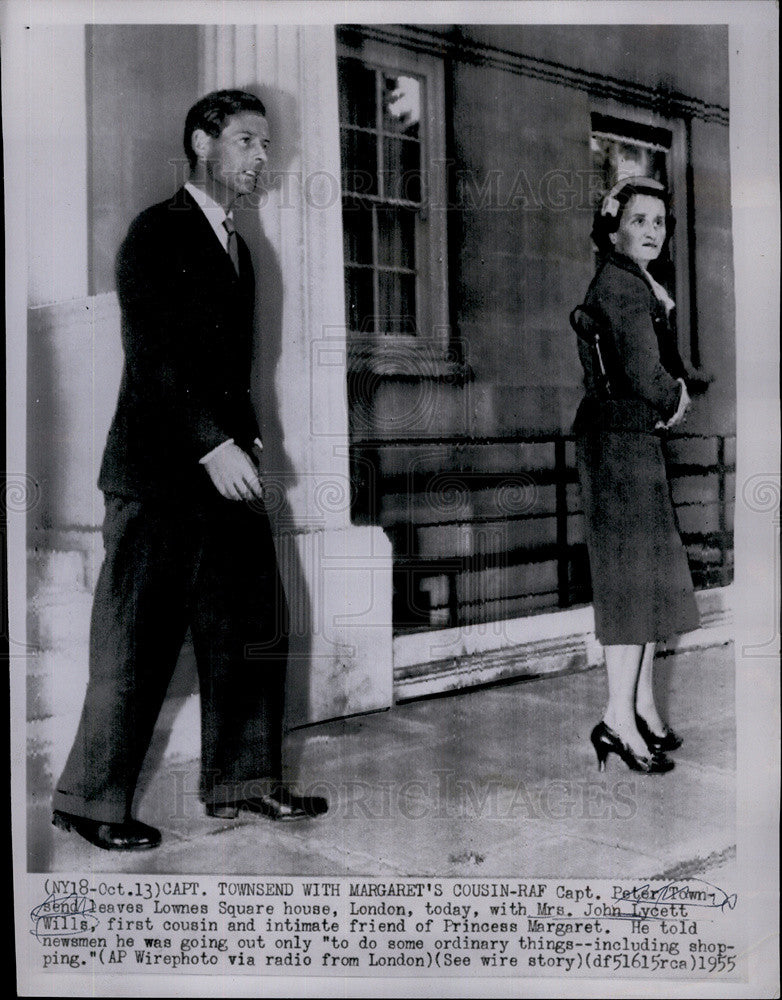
(233, 248)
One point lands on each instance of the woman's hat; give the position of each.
(611, 206)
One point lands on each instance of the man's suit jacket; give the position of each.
(187, 323)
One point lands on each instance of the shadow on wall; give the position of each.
(279, 472)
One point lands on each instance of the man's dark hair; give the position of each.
(211, 112)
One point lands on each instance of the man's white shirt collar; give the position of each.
(214, 213)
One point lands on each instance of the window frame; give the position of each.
(679, 180)
(429, 346)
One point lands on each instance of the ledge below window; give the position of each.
(408, 361)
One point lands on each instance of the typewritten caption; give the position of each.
(127, 923)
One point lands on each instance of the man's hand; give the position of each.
(233, 473)
(681, 409)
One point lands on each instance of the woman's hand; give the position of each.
(681, 410)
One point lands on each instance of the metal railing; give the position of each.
(491, 528)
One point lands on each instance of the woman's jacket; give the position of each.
(632, 383)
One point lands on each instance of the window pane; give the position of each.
(396, 308)
(358, 300)
(396, 237)
(359, 162)
(401, 104)
(614, 158)
(356, 94)
(402, 168)
(357, 230)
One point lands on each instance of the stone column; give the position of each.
(337, 575)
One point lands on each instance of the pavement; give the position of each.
(497, 781)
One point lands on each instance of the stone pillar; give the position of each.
(337, 575)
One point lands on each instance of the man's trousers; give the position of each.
(209, 566)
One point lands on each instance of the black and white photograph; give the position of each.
(392, 497)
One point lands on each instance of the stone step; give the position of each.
(54, 571)
(58, 618)
(70, 659)
(177, 738)
(57, 678)
(56, 681)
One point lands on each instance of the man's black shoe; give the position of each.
(280, 805)
(128, 836)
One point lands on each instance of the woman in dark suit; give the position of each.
(635, 390)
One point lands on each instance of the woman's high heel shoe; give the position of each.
(606, 741)
(658, 744)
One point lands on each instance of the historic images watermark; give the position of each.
(442, 794)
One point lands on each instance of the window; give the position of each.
(626, 149)
(393, 200)
(656, 147)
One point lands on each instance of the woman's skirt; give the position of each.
(641, 584)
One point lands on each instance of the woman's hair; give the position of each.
(609, 212)
(211, 112)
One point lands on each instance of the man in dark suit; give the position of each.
(187, 539)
